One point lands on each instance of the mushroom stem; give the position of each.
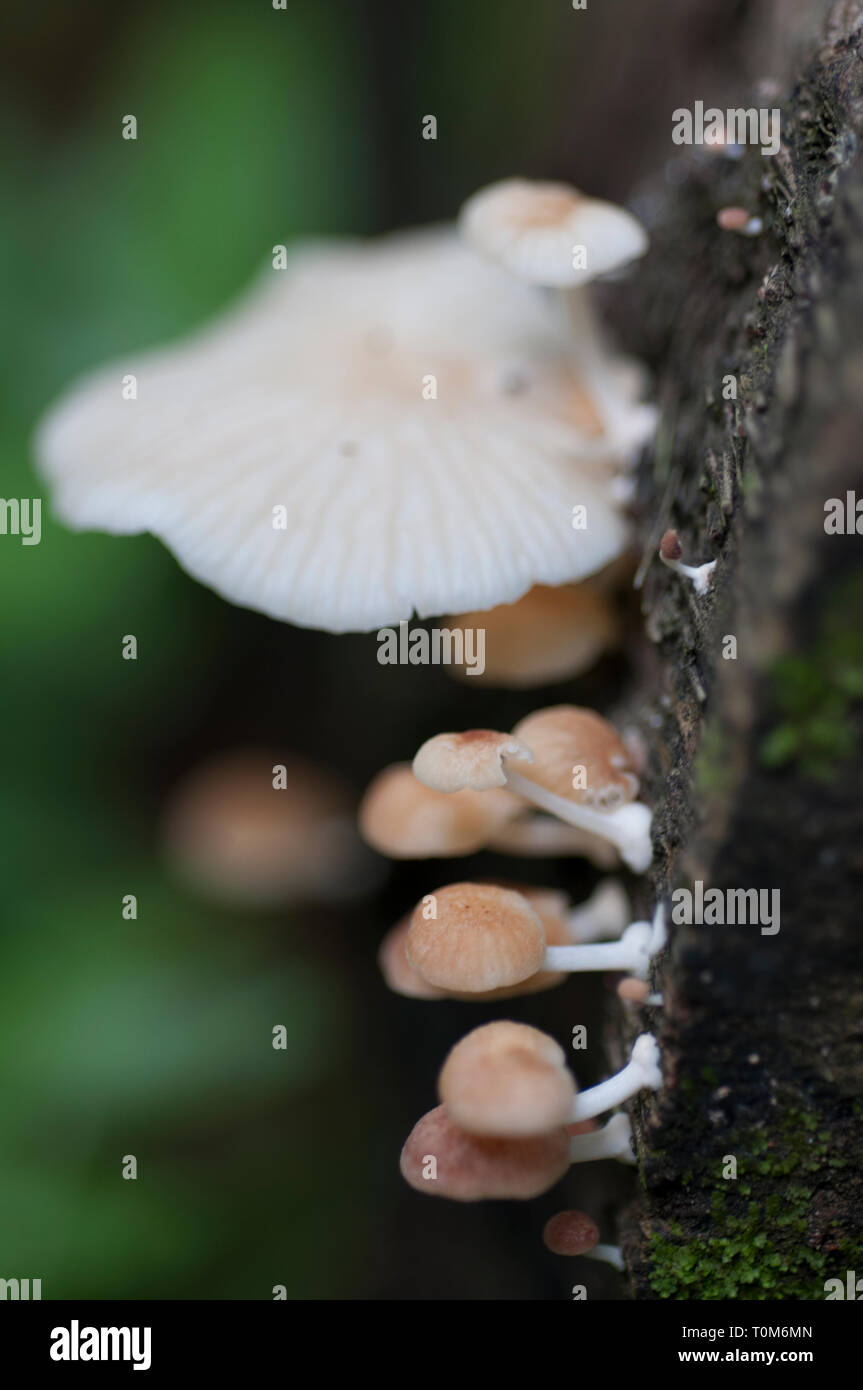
(670, 551)
(602, 917)
(631, 953)
(548, 837)
(627, 827)
(642, 1071)
(614, 1140)
(611, 1254)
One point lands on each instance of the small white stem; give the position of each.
(603, 916)
(627, 828)
(641, 1072)
(614, 1140)
(548, 837)
(700, 576)
(609, 1253)
(631, 953)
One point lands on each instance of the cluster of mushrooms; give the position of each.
(511, 1118)
(427, 424)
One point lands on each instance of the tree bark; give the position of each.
(755, 762)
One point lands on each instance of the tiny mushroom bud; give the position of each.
(670, 551)
(546, 636)
(444, 1161)
(570, 1233)
(574, 1233)
(401, 817)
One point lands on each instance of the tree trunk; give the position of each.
(751, 1156)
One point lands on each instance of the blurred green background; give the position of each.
(153, 1037)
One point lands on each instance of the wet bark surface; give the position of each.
(751, 1171)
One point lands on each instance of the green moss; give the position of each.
(756, 1249)
(815, 691)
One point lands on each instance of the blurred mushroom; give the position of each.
(402, 818)
(238, 839)
(531, 228)
(442, 1160)
(547, 635)
(552, 236)
(405, 369)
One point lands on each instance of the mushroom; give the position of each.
(238, 838)
(574, 766)
(380, 428)
(401, 817)
(605, 913)
(507, 1079)
(468, 938)
(442, 1160)
(531, 228)
(574, 1233)
(553, 236)
(670, 552)
(397, 970)
(511, 1080)
(547, 635)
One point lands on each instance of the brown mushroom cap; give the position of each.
(546, 636)
(566, 736)
(471, 1167)
(507, 1079)
(570, 1233)
(551, 908)
(398, 973)
(404, 819)
(481, 938)
(474, 759)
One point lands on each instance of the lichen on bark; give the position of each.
(755, 760)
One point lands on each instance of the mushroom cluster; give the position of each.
(483, 788)
(431, 423)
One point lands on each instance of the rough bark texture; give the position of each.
(755, 764)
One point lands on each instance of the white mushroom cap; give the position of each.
(308, 396)
(531, 228)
